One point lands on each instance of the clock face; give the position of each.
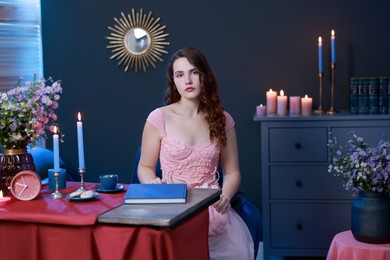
(26, 185)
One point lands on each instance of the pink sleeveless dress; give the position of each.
(196, 165)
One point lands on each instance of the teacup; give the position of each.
(108, 181)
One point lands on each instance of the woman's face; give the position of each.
(187, 79)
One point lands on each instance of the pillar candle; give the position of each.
(306, 105)
(271, 102)
(282, 104)
(80, 141)
(333, 46)
(56, 151)
(295, 105)
(261, 110)
(320, 69)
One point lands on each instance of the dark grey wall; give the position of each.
(252, 46)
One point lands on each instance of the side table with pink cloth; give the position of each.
(345, 247)
(45, 228)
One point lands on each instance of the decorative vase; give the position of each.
(13, 161)
(371, 218)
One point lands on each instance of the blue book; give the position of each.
(156, 193)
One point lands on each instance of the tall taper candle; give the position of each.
(333, 46)
(80, 141)
(320, 69)
(56, 151)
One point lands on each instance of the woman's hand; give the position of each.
(156, 181)
(223, 204)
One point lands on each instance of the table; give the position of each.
(45, 228)
(345, 247)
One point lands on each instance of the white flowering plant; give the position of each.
(361, 167)
(27, 111)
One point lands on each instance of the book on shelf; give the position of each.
(383, 96)
(156, 193)
(354, 95)
(363, 96)
(373, 95)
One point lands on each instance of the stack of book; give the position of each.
(369, 95)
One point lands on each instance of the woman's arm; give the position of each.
(231, 171)
(150, 150)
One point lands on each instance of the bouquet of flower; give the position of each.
(362, 168)
(27, 111)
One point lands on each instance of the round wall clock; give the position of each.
(26, 185)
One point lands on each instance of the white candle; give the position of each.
(295, 105)
(271, 102)
(282, 104)
(80, 141)
(261, 110)
(56, 151)
(306, 105)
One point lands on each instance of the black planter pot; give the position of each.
(371, 218)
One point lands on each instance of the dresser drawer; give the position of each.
(298, 144)
(305, 182)
(308, 225)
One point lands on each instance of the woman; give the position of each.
(191, 134)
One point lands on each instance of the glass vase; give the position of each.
(371, 218)
(13, 161)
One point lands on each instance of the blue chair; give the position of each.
(239, 203)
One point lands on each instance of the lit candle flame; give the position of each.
(1, 194)
(332, 33)
(282, 93)
(55, 129)
(306, 96)
(320, 40)
(79, 116)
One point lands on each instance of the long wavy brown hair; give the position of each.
(210, 103)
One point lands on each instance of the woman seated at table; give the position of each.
(191, 134)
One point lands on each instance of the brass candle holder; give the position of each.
(82, 173)
(57, 194)
(319, 110)
(332, 110)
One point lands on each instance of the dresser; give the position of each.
(303, 205)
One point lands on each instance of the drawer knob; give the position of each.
(298, 183)
(298, 145)
(299, 226)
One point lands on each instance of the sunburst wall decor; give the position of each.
(137, 41)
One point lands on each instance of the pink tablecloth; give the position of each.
(345, 247)
(43, 209)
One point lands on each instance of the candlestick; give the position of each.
(57, 194)
(295, 105)
(56, 150)
(333, 46)
(332, 110)
(80, 141)
(307, 103)
(320, 68)
(261, 110)
(4, 200)
(82, 173)
(271, 102)
(319, 110)
(282, 104)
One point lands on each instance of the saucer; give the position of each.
(78, 198)
(117, 189)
